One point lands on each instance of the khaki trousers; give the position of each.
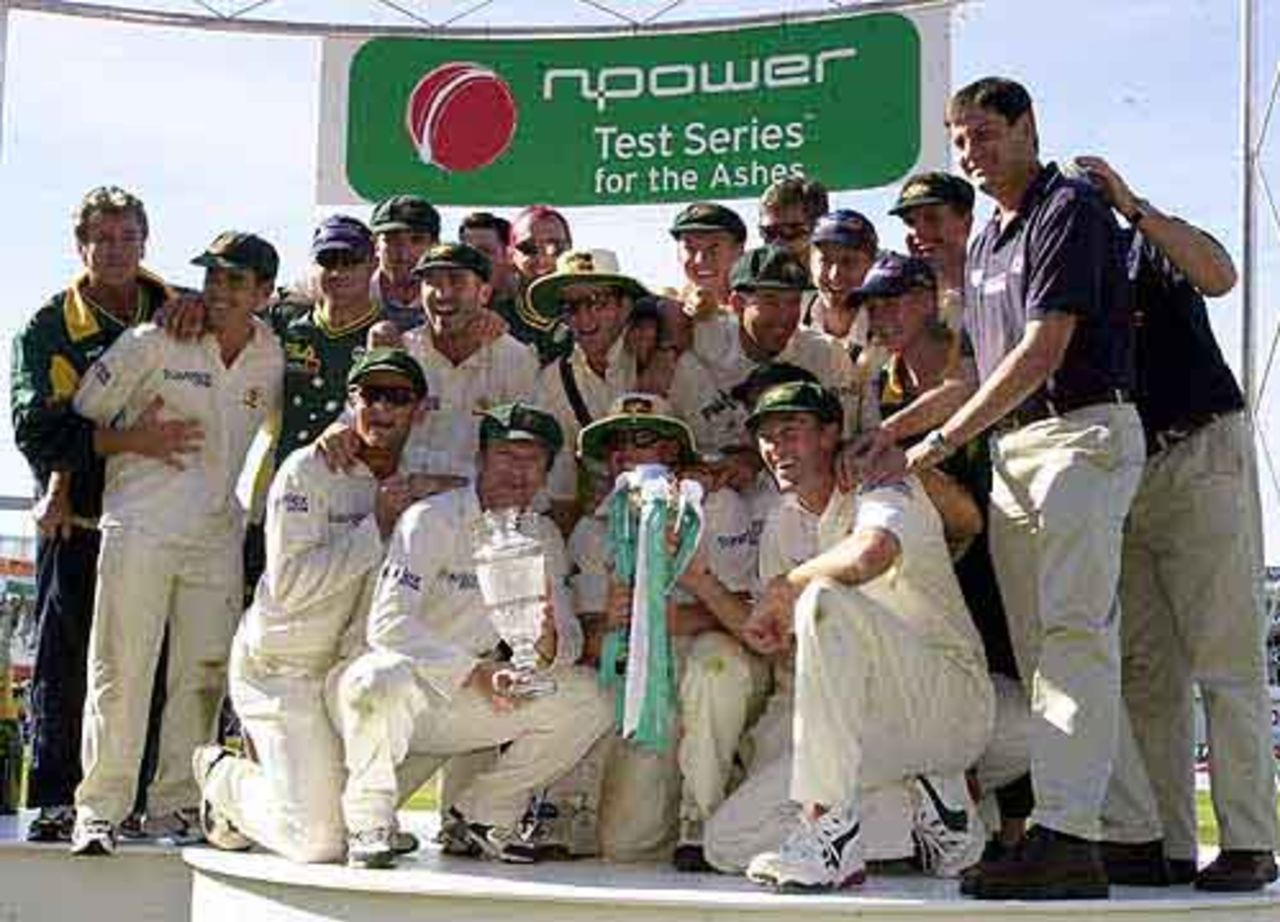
(146, 584)
(1061, 489)
(1191, 585)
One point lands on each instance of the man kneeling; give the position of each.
(432, 683)
(890, 680)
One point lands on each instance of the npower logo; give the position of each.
(461, 117)
(780, 71)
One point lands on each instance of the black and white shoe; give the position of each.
(371, 848)
(494, 843)
(821, 854)
(948, 833)
(92, 836)
(52, 824)
(216, 828)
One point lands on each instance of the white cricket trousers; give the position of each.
(287, 801)
(546, 737)
(1061, 489)
(1190, 584)
(644, 794)
(760, 814)
(875, 703)
(146, 583)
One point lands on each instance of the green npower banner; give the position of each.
(663, 117)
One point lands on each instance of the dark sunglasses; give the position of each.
(340, 259)
(771, 233)
(392, 396)
(533, 248)
(639, 438)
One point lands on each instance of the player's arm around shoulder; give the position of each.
(113, 381)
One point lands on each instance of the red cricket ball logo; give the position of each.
(461, 117)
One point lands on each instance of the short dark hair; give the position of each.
(809, 194)
(486, 220)
(1008, 98)
(108, 200)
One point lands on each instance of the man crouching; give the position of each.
(432, 683)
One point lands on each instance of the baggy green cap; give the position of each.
(769, 267)
(239, 250)
(520, 422)
(454, 256)
(709, 217)
(933, 188)
(797, 397)
(636, 412)
(388, 359)
(405, 212)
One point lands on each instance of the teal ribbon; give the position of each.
(635, 519)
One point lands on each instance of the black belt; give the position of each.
(1047, 408)
(1166, 438)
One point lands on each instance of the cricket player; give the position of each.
(404, 227)
(171, 539)
(844, 244)
(467, 368)
(433, 684)
(652, 800)
(890, 679)
(709, 238)
(768, 285)
(592, 296)
(326, 536)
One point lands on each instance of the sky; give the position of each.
(217, 130)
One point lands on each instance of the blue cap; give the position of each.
(892, 275)
(848, 228)
(342, 232)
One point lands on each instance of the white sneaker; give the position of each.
(372, 848)
(91, 836)
(495, 843)
(217, 829)
(821, 854)
(948, 833)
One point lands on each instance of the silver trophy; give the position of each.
(511, 567)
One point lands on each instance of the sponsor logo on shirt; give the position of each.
(295, 502)
(400, 575)
(755, 531)
(738, 540)
(102, 373)
(462, 580)
(198, 378)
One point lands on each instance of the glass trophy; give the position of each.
(511, 569)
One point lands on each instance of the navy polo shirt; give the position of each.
(1062, 251)
(1182, 377)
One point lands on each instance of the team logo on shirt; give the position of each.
(302, 357)
(254, 398)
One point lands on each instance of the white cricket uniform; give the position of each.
(891, 680)
(598, 395)
(716, 363)
(760, 813)
(170, 558)
(721, 684)
(324, 550)
(428, 629)
(447, 440)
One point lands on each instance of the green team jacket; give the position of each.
(50, 355)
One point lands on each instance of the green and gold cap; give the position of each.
(796, 397)
(520, 422)
(454, 256)
(769, 267)
(239, 250)
(387, 359)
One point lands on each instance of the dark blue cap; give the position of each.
(892, 275)
(848, 228)
(342, 232)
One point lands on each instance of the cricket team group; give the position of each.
(977, 518)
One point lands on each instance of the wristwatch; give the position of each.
(1141, 209)
(935, 443)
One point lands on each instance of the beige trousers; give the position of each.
(1061, 489)
(146, 584)
(1191, 584)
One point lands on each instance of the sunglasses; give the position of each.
(585, 302)
(531, 247)
(371, 395)
(340, 259)
(772, 233)
(640, 438)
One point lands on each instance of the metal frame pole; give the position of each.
(4, 47)
(1248, 236)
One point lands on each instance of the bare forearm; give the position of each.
(729, 609)
(114, 441)
(930, 409)
(1019, 375)
(1205, 264)
(857, 559)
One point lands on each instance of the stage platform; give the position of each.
(143, 883)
